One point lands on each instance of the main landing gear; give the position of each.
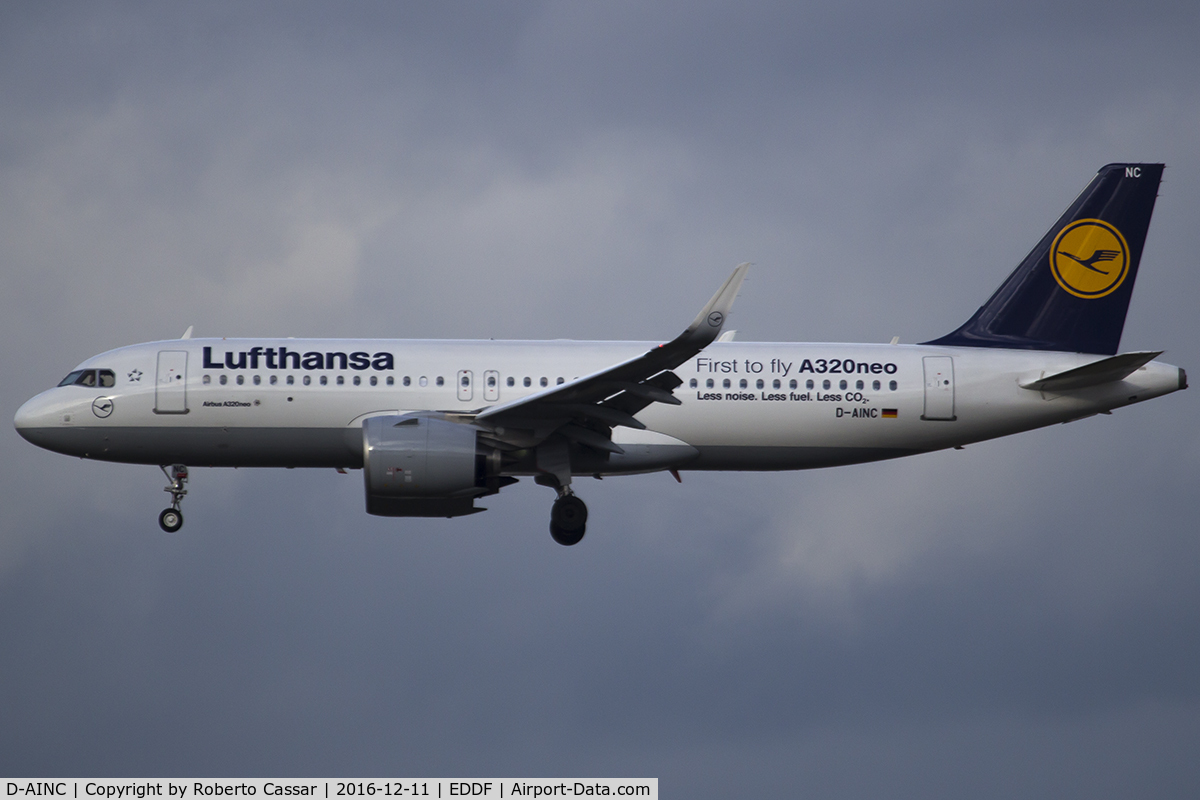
(568, 519)
(171, 519)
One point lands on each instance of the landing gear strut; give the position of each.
(568, 519)
(171, 519)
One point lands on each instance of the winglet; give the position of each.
(188, 333)
(706, 327)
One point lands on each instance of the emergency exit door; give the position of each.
(491, 386)
(466, 390)
(939, 388)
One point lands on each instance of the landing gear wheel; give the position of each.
(170, 520)
(568, 520)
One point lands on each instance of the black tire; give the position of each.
(170, 520)
(568, 520)
(566, 538)
(569, 513)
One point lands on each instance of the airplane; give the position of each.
(435, 425)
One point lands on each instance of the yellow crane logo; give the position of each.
(1089, 258)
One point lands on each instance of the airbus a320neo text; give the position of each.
(436, 425)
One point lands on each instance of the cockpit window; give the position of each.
(81, 377)
(90, 377)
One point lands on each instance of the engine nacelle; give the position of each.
(422, 467)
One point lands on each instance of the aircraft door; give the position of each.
(939, 388)
(465, 389)
(491, 386)
(170, 383)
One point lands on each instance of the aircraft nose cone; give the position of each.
(51, 421)
(32, 414)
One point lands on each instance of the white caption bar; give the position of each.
(434, 788)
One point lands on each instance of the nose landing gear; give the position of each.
(171, 519)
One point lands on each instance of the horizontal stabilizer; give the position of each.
(1106, 370)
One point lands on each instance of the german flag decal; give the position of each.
(889, 413)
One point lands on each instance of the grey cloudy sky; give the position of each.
(1019, 618)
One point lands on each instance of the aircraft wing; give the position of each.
(586, 409)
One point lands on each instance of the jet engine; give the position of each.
(423, 466)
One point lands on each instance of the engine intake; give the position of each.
(417, 466)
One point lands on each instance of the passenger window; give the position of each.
(775, 384)
(308, 380)
(528, 382)
(441, 381)
(725, 383)
(257, 380)
(107, 378)
(693, 383)
(224, 379)
(324, 380)
(842, 385)
(291, 379)
(544, 381)
(423, 381)
(407, 381)
(825, 384)
(858, 385)
(792, 384)
(390, 381)
(341, 380)
(708, 384)
(491, 381)
(560, 381)
(374, 380)
(808, 384)
(357, 380)
(875, 385)
(241, 379)
(758, 384)
(511, 381)
(892, 385)
(206, 380)
(274, 379)
(742, 383)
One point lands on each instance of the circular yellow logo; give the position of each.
(1089, 258)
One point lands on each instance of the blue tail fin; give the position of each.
(1072, 291)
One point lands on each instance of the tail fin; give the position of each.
(1072, 291)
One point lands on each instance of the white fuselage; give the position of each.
(744, 405)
